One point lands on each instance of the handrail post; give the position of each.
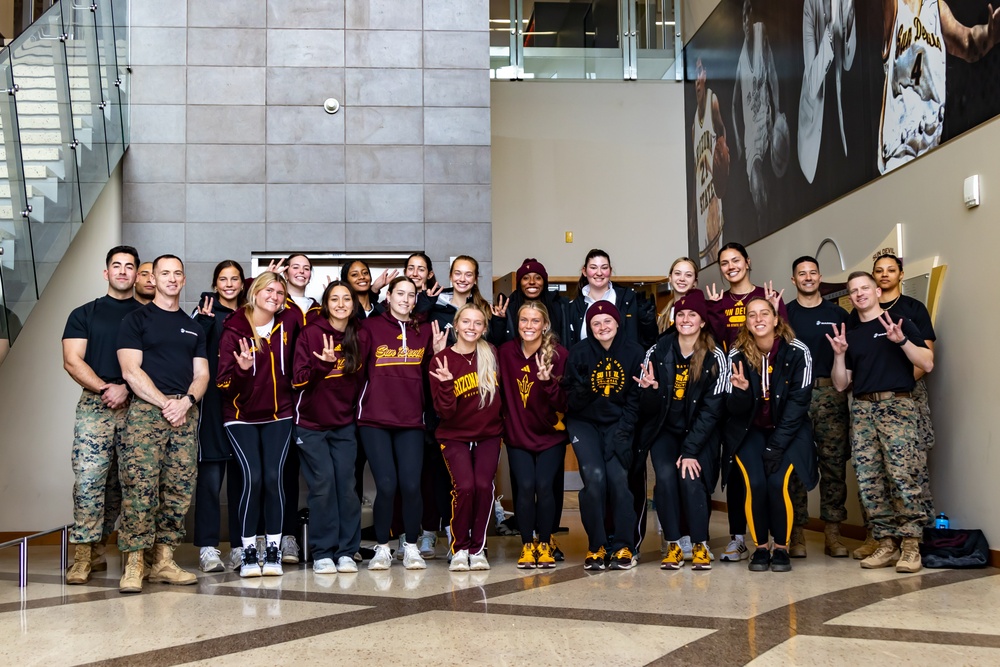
(22, 569)
(63, 556)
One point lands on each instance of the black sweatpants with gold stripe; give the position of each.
(768, 504)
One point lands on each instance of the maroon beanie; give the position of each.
(603, 308)
(693, 300)
(531, 265)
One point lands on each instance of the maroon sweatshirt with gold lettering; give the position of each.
(328, 397)
(263, 392)
(457, 401)
(394, 391)
(533, 409)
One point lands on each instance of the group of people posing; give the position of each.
(426, 385)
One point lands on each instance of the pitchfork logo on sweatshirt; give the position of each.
(608, 378)
(524, 389)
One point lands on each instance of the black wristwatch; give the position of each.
(191, 398)
(903, 342)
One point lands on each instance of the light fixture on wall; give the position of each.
(331, 105)
(972, 191)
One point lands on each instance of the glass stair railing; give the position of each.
(64, 118)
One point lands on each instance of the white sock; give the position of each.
(249, 542)
(273, 539)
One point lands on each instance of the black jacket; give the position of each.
(638, 317)
(791, 393)
(503, 329)
(704, 403)
(213, 445)
(600, 390)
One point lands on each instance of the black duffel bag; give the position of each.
(954, 548)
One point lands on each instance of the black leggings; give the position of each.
(676, 497)
(396, 457)
(603, 480)
(736, 491)
(207, 509)
(261, 450)
(534, 476)
(768, 505)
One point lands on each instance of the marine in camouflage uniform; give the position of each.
(829, 415)
(97, 494)
(158, 463)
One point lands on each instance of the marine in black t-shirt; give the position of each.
(169, 341)
(811, 326)
(878, 364)
(904, 307)
(98, 322)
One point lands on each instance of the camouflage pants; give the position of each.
(97, 494)
(828, 413)
(890, 463)
(158, 465)
(927, 439)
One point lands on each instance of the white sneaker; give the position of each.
(324, 566)
(426, 544)
(346, 565)
(382, 558)
(289, 549)
(250, 566)
(685, 543)
(209, 560)
(736, 550)
(478, 561)
(412, 560)
(272, 561)
(459, 561)
(236, 557)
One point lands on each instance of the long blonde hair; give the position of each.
(663, 319)
(486, 360)
(548, 348)
(746, 344)
(257, 286)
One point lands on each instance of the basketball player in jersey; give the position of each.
(829, 41)
(755, 105)
(707, 132)
(916, 34)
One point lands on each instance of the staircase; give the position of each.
(64, 122)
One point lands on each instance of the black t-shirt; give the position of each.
(676, 419)
(811, 326)
(98, 322)
(877, 363)
(906, 307)
(169, 341)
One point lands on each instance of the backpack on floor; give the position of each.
(954, 548)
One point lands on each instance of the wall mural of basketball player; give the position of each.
(757, 114)
(829, 42)
(711, 169)
(916, 35)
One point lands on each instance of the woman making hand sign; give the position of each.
(768, 435)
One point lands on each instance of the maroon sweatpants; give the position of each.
(472, 466)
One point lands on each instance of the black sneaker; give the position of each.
(272, 561)
(595, 560)
(250, 567)
(622, 559)
(760, 561)
(556, 551)
(780, 562)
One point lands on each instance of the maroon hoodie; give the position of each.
(393, 395)
(263, 393)
(328, 397)
(533, 409)
(457, 400)
(295, 319)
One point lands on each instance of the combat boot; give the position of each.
(866, 549)
(887, 554)
(797, 544)
(166, 571)
(135, 570)
(79, 572)
(98, 559)
(909, 560)
(834, 547)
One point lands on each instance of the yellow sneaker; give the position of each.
(700, 560)
(544, 556)
(527, 559)
(674, 560)
(622, 560)
(595, 559)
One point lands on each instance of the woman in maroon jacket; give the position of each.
(391, 418)
(328, 363)
(255, 364)
(533, 407)
(464, 382)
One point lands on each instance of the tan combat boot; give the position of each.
(866, 549)
(887, 554)
(909, 561)
(135, 570)
(797, 543)
(79, 571)
(98, 559)
(166, 571)
(834, 547)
